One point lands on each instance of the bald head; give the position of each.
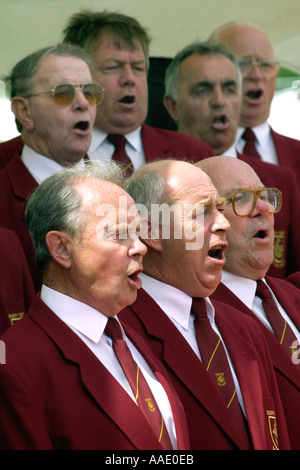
(187, 252)
(229, 174)
(250, 239)
(247, 41)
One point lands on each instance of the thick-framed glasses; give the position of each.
(244, 202)
(267, 66)
(64, 93)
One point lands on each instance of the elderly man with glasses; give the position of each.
(259, 69)
(54, 101)
(273, 303)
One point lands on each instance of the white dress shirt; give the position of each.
(89, 325)
(177, 306)
(264, 145)
(39, 166)
(245, 288)
(102, 149)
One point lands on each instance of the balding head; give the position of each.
(250, 249)
(189, 253)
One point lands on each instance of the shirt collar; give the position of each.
(134, 138)
(39, 166)
(262, 133)
(78, 315)
(243, 287)
(175, 303)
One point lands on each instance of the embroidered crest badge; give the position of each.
(279, 236)
(221, 379)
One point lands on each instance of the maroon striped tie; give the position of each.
(120, 155)
(281, 328)
(215, 361)
(250, 148)
(138, 383)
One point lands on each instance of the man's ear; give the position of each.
(58, 244)
(171, 106)
(151, 234)
(21, 109)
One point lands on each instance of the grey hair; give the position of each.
(203, 49)
(55, 204)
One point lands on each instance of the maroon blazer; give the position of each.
(158, 143)
(9, 148)
(16, 286)
(294, 279)
(287, 224)
(162, 143)
(16, 184)
(288, 150)
(287, 374)
(211, 426)
(56, 395)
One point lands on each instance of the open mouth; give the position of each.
(262, 234)
(220, 122)
(127, 100)
(134, 279)
(82, 126)
(254, 95)
(217, 252)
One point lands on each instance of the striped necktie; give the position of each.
(215, 361)
(250, 147)
(281, 328)
(120, 155)
(138, 383)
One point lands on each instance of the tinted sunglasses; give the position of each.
(64, 93)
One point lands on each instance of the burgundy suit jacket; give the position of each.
(56, 395)
(288, 150)
(158, 143)
(211, 426)
(294, 279)
(16, 184)
(287, 374)
(287, 224)
(9, 148)
(16, 286)
(162, 143)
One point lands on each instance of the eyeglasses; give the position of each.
(267, 66)
(244, 202)
(64, 93)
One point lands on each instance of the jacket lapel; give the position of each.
(106, 391)
(21, 180)
(247, 372)
(155, 145)
(280, 359)
(183, 362)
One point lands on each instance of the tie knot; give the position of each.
(119, 141)
(262, 290)
(199, 308)
(113, 329)
(249, 135)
